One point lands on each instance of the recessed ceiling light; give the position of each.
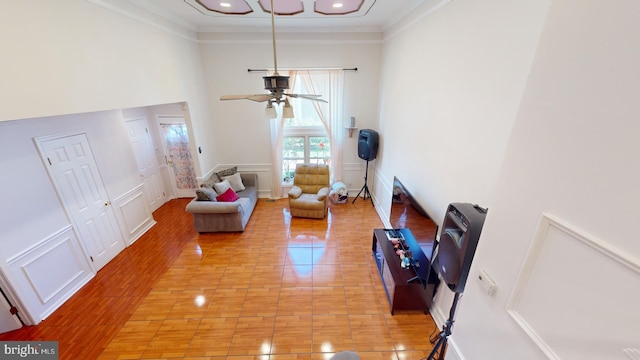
(337, 5)
(225, 4)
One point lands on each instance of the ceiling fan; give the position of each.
(276, 84)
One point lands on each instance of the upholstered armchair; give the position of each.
(310, 191)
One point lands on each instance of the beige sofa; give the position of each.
(215, 216)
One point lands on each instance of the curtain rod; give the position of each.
(265, 70)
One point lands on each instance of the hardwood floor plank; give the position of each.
(284, 289)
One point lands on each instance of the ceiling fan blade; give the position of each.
(254, 97)
(306, 97)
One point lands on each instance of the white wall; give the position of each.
(450, 88)
(241, 132)
(32, 212)
(73, 56)
(72, 65)
(573, 154)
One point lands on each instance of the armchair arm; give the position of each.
(295, 192)
(322, 193)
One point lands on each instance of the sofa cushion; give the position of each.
(227, 172)
(206, 194)
(236, 182)
(210, 181)
(228, 196)
(245, 203)
(222, 186)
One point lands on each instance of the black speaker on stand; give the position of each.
(458, 242)
(367, 150)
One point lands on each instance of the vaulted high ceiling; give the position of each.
(294, 15)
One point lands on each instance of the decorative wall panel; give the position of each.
(133, 214)
(50, 272)
(567, 286)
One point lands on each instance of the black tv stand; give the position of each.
(410, 288)
(419, 280)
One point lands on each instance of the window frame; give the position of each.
(305, 132)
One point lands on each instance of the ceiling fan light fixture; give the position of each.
(287, 110)
(270, 111)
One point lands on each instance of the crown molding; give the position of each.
(142, 15)
(139, 10)
(418, 13)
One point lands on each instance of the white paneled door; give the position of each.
(146, 160)
(72, 167)
(8, 320)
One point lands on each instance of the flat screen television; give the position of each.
(406, 213)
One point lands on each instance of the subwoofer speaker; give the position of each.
(458, 241)
(367, 144)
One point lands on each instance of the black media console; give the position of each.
(411, 287)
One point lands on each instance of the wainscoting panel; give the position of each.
(577, 296)
(50, 272)
(353, 176)
(263, 171)
(133, 214)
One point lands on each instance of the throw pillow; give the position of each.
(206, 194)
(227, 172)
(210, 181)
(222, 186)
(228, 196)
(236, 182)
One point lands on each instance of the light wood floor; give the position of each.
(286, 288)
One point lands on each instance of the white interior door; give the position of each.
(177, 154)
(8, 320)
(78, 182)
(146, 160)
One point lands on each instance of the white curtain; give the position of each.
(329, 84)
(277, 128)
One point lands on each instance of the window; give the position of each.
(303, 149)
(304, 139)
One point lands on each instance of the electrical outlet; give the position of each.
(487, 282)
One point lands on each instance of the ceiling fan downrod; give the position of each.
(273, 40)
(275, 83)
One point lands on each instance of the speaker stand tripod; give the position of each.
(365, 188)
(441, 346)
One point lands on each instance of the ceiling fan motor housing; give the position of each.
(276, 82)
